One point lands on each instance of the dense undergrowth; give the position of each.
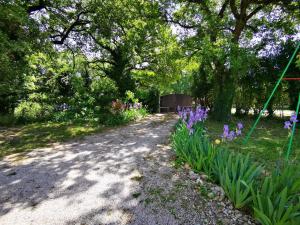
(272, 196)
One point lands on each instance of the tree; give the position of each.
(123, 42)
(17, 30)
(127, 39)
(222, 30)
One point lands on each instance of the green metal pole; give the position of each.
(293, 130)
(269, 99)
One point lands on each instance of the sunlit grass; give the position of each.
(24, 138)
(27, 137)
(268, 143)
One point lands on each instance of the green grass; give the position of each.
(267, 144)
(24, 138)
(27, 137)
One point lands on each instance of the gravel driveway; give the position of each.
(90, 181)
(122, 176)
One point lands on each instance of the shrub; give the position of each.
(236, 174)
(194, 149)
(104, 90)
(28, 111)
(117, 106)
(277, 201)
(7, 120)
(150, 98)
(130, 98)
(133, 114)
(122, 117)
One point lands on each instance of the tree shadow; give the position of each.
(84, 177)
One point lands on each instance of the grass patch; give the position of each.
(267, 144)
(24, 138)
(27, 137)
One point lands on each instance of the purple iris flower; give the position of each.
(191, 117)
(231, 135)
(226, 128)
(180, 114)
(293, 118)
(240, 126)
(190, 124)
(287, 125)
(184, 115)
(225, 131)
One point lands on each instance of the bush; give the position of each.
(104, 90)
(28, 111)
(277, 201)
(130, 98)
(7, 120)
(236, 174)
(149, 98)
(117, 106)
(123, 117)
(194, 149)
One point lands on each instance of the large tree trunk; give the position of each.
(224, 91)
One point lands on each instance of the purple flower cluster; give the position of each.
(192, 117)
(137, 105)
(230, 135)
(288, 124)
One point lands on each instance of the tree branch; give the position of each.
(67, 31)
(181, 24)
(234, 9)
(224, 6)
(256, 10)
(39, 6)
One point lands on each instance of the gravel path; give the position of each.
(122, 176)
(90, 181)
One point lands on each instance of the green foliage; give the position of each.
(130, 98)
(7, 120)
(277, 202)
(274, 198)
(149, 98)
(122, 117)
(236, 174)
(104, 90)
(16, 32)
(28, 111)
(224, 46)
(195, 149)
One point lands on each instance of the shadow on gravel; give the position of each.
(100, 165)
